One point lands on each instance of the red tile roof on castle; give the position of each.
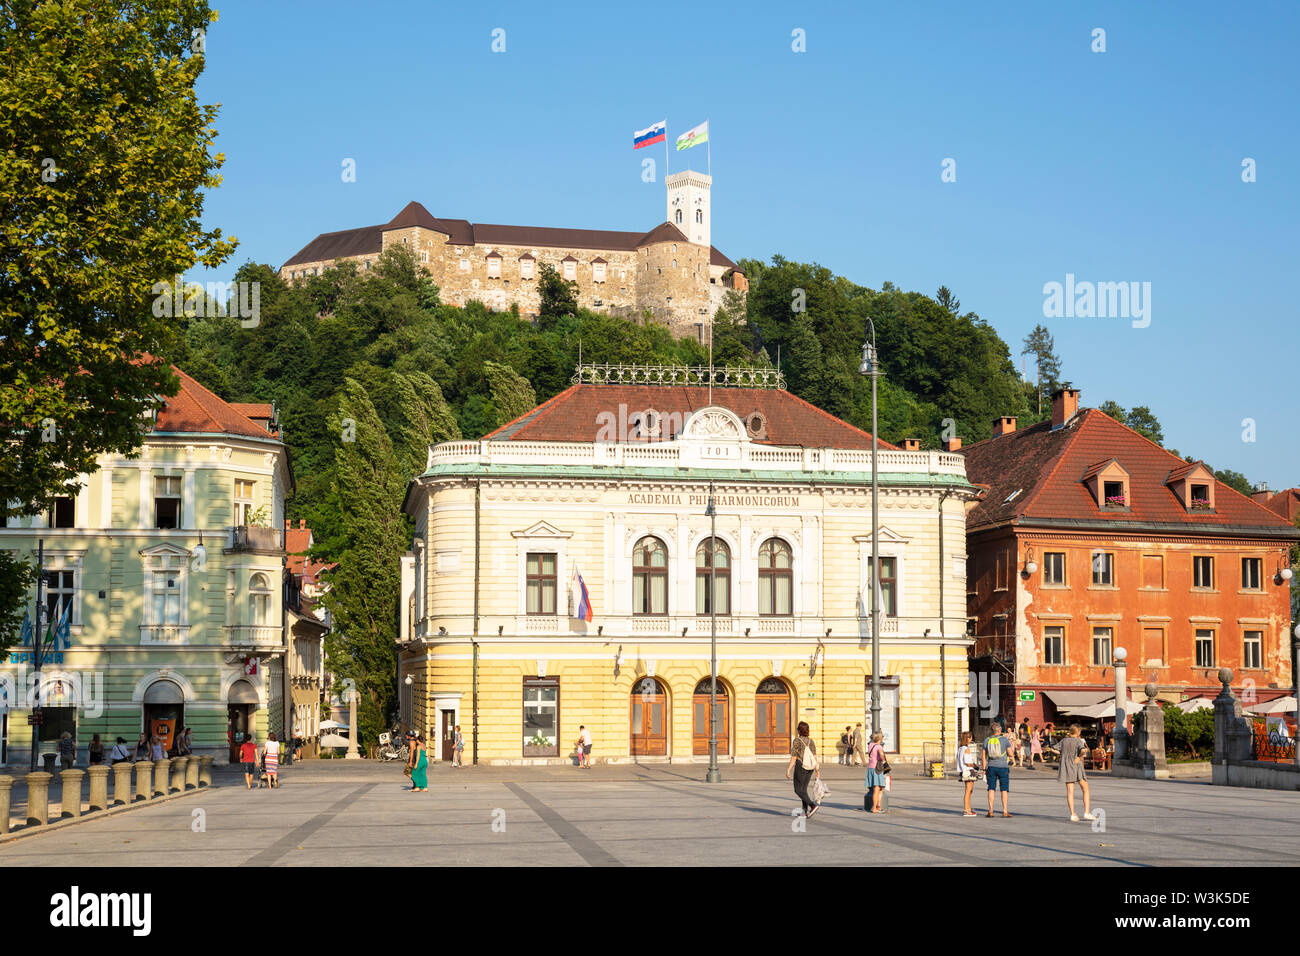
(576, 415)
(1048, 467)
(195, 409)
(368, 240)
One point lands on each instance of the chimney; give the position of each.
(1261, 493)
(1065, 402)
(952, 444)
(911, 444)
(1003, 426)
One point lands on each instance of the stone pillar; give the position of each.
(122, 781)
(1121, 705)
(352, 753)
(38, 798)
(1232, 732)
(178, 773)
(71, 800)
(161, 768)
(6, 787)
(192, 774)
(98, 787)
(205, 770)
(143, 780)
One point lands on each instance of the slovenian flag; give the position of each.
(648, 137)
(693, 137)
(581, 599)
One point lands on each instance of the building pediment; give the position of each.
(886, 537)
(543, 529)
(713, 423)
(164, 549)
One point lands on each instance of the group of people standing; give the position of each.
(995, 756)
(148, 747)
(270, 760)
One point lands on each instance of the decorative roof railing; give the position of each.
(700, 376)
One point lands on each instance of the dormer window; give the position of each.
(1193, 485)
(1200, 496)
(1108, 483)
(598, 270)
(525, 267)
(493, 266)
(1115, 496)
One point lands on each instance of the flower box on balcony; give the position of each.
(1116, 501)
(1201, 504)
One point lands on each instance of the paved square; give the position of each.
(332, 813)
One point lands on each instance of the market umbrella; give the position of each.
(1196, 703)
(331, 725)
(1282, 705)
(333, 740)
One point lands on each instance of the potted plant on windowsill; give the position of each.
(1200, 504)
(1116, 501)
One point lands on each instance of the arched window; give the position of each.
(259, 599)
(699, 216)
(721, 568)
(775, 579)
(679, 217)
(650, 577)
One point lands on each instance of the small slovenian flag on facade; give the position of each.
(648, 137)
(581, 599)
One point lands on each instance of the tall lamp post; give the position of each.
(714, 775)
(871, 366)
(1121, 703)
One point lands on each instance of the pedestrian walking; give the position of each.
(804, 766)
(156, 749)
(859, 741)
(584, 747)
(67, 751)
(248, 757)
(966, 770)
(119, 752)
(142, 746)
(1036, 746)
(458, 749)
(271, 759)
(993, 760)
(183, 746)
(846, 746)
(1071, 772)
(419, 765)
(96, 750)
(877, 769)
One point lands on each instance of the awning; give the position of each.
(1067, 701)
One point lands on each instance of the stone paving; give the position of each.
(331, 813)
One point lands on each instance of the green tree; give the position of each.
(1234, 480)
(1190, 733)
(16, 579)
(368, 489)
(949, 301)
(559, 297)
(1142, 421)
(512, 395)
(1047, 363)
(104, 156)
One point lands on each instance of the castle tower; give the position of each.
(688, 205)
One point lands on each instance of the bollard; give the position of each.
(192, 774)
(38, 798)
(178, 772)
(205, 770)
(6, 785)
(122, 782)
(70, 802)
(161, 768)
(143, 780)
(98, 787)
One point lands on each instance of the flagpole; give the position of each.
(708, 145)
(665, 151)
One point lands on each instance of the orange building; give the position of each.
(1091, 537)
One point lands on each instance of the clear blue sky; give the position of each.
(1115, 166)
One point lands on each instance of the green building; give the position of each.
(170, 566)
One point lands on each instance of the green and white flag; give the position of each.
(693, 137)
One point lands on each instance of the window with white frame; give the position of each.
(1204, 647)
(1252, 649)
(1252, 574)
(464, 265)
(1102, 641)
(494, 267)
(570, 269)
(243, 501)
(166, 590)
(525, 268)
(598, 272)
(259, 600)
(1054, 568)
(1054, 644)
(167, 501)
(60, 593)
(62, 514)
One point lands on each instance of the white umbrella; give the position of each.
(1282, 705)
(1196, 703)
(333, 740)
(332, 725)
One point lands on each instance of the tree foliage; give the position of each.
(1047, 364)
(1190, 733)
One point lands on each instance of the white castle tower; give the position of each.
(688, 204)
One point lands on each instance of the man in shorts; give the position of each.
(993, 760)
(248, 757)
(584, 741)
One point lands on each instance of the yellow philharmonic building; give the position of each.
(559, 577)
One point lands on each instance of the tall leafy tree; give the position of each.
(559, 297)
(1144, 422)
(949, 301)
(1047, 363)
(511, 392)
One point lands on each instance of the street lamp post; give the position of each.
(714, 775)
(871, 366)
(1121, 703)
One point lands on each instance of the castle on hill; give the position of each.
(672, 272)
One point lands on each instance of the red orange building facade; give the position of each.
(1090, 537)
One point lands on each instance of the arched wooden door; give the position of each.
(772, 718)
(700, 719)
(649, 718)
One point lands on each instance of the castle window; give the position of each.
(464, 265)
(699, 216)
(674, 247)
(424, 257)
(674, 261)
(494, 268)
(598, 272)
(679, 217)
(570, 269)
(525, 268)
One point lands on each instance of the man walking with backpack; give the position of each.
(993, 759)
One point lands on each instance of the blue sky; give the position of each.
(1117, 166)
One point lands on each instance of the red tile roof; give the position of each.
(1285, 503)
(575, 414)
(195, 409)
(1047, 466)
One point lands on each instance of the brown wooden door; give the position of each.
(649, 719)
(772, 718)
(448, 734)
(700, 715)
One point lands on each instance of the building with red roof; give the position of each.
(1089, 537)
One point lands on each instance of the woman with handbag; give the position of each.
(966, 769)
(877, 768)
(804, 766)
